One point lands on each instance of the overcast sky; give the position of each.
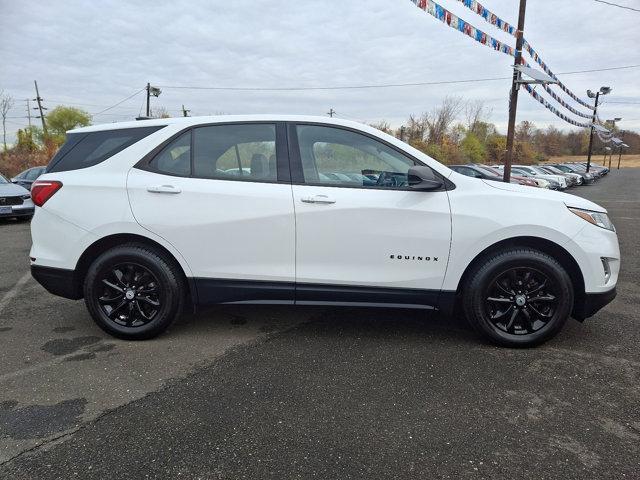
(93, 54)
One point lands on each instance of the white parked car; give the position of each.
(560, 180)
(144, 218)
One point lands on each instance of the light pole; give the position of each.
(604, 159)
(622, 145)
(603, 91)
(616, 141)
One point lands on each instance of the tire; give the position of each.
(514, 314)
(133, 292)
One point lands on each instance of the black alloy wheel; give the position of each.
(521, 300)
(134, 291)
(518, 297)
(131, 295)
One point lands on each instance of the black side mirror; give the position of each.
(423, 179)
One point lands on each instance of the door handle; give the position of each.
(163, 189)
(318, 199)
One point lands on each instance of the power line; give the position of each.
(619, 6)
(342, 87)
(382, 85)
(121, 101)
(600, 69)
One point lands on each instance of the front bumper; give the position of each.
(58, 281)
(592, 303)
(18, 211)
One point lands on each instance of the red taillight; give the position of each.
(43, 190)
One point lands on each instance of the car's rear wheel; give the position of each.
(520, 297)
(133, 292)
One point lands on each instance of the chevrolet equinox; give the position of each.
(144, 218)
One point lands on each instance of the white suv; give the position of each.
(143, 218)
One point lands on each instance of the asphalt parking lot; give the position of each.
(281, 392)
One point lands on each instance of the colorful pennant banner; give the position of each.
(493, 19)
(466, 28)
(478, 35)
(544, 102)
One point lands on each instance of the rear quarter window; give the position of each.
(82, 150)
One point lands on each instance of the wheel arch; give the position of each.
(544, 245)
(105, 243)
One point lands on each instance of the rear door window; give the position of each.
(235, 152)
(82, 150)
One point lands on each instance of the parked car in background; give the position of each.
(531, 170)
(544, 181)
(579, 167)
(15, 201)
(601, 169)
(475, 171)
(576, 178)
(145, 219)
(26, 178)
(587, 178)
(521, 180)
(571, 181)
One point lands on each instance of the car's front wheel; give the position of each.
(133, 292)
(519, 297)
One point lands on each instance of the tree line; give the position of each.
(456, 131)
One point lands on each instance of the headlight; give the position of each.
(597, 218)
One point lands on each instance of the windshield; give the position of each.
(488, 170)
(539, 170)
(528, 170)
(3, 180)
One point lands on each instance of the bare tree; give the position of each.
(475, 112)
(439, 120)
(160, 112)
(383, 126)
(416, 128)
(6, 103)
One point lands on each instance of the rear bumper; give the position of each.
(592, 303)
(58, 281)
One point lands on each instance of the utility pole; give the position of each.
(185, 112)
(602, 91)
(331, 112)
(148, 114)
(155, 91)
(593, 122)
(29, 112)
(41, 108)
(513, 98)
